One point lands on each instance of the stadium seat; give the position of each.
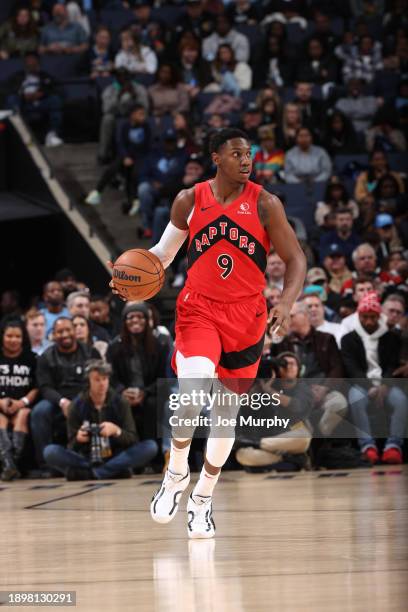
(296, 34)
(144, 79)
(340, 162)
(386, 83)
(79, 89)
(61, 66)
(6, 8)
(9, 67)
(398, 161)
(300, 199)
(167, 14)
(288, 93)
(116, 19)
(254, 33)
(336, 24)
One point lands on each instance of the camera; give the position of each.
(96, 443)
(270, 367)
(91, 428)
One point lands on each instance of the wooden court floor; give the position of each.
(331, 541)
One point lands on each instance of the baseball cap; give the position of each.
(383, 220)
(315, 290)
(315, 274)
(333, 250)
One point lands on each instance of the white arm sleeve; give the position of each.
(169, 244)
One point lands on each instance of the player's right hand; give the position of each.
(278, 320)
(112, 286)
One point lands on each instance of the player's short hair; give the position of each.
(218, 139)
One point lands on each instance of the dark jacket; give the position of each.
(133, 140)
(354, 356)
(324, 347)
(298, 410)
(142, 372)
(162, 167)
(47, 83)
(347, 246)
(115, 410)
(62, 374)
(324, 72)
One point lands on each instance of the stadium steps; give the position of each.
(75, 167)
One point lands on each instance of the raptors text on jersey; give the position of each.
(228, 245)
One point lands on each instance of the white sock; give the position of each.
(205, 484)
(217, 452)
(178, 463)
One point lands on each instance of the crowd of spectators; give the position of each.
(308, 80)
(69, 363)
(321, 89)
(73, 362)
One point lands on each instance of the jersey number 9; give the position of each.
(226, 263)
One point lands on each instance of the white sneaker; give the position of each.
(93, 198)
(135, 208)
(200, 522)
(52, 140)
(165, 501)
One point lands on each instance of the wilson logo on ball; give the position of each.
(121, 275)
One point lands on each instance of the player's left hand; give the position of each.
(278, 320)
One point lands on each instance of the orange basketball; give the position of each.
(138, 274)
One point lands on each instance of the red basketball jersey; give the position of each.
(228, 245)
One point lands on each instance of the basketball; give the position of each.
(138, 274)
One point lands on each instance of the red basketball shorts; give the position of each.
(231, 334)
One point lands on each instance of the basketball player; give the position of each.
(221, 314)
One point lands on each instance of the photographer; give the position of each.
(102, 439)
(285, 450)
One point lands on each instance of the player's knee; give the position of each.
(194, 367)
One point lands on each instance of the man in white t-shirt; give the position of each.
(315, 309)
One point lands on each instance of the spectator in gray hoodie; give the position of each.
(305, 161)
